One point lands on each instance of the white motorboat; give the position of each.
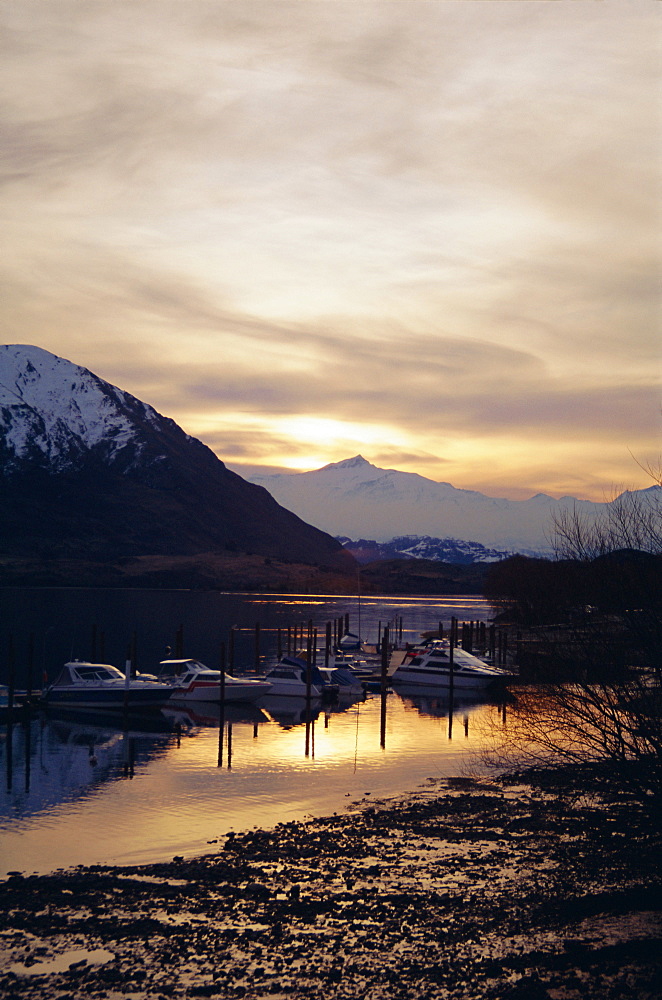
(346, 682)
(289, 678)
(358, 666)
(100, 685)
(431, 667)
(191, 681)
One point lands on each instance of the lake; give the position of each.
(92, 789)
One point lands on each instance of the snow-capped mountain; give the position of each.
(88, 471)
(54, 414)
(448, 550)
(356, 499)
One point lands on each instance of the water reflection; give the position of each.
(63, 756)
(92, 790)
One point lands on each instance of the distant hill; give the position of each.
(358, 500)
(422, 576)
(92, 475)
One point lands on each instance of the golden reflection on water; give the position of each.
(151, 796)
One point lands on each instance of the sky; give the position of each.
(425, 231)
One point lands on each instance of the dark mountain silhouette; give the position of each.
(89, 472)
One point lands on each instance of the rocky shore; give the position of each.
(532, 887)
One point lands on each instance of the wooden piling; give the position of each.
(11, 671)
(231, 636)
(383, 686)
(309, 682)
(221, 695)
(30, 666)
(327, 645)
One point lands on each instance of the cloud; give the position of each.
(437, 219)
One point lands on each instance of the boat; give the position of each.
(359, 667)
(350, 640)
(100, 685)
(431, 667)
(289, 678)
(191, 681)
(347, 683)
(4, 701)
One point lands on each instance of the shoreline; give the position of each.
(523, 887)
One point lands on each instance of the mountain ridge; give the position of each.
(88, 471)
(353, 498)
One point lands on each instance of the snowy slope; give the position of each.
(88, 471)
(356, 499)
(52, 412)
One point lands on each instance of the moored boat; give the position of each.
(347, 683)
(432, 667)
(191, 681)
(100, 685)
(289, 678)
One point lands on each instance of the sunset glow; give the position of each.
(423, 232)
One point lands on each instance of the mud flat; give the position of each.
(531, 887)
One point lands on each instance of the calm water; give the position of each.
(83, 790)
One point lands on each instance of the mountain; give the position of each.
(447, 550)
(89, 472)
(356, 499)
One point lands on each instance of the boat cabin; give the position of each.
(78, 672)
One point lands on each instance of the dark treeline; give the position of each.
(547, 591)
(608, 609)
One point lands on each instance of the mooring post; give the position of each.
(309, 682)
(257, 647)
(221, 712)
(134, 653)
(385, 645)
(384, 678)
(11, 671)
(231, 651)
(280, 644)
(30, 666)
(327, 645)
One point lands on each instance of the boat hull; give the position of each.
(441, 679)
(116, 698)
(205, 691)
(296, 689)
